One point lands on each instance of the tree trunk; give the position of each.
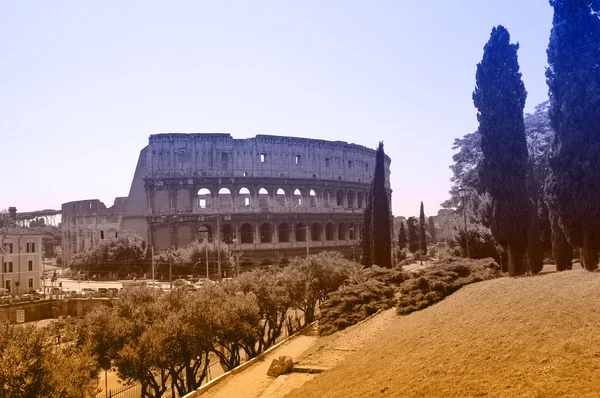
(561, 249)
(590, 255)
(512, 270)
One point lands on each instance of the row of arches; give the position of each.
(183, 199)
(262, 232)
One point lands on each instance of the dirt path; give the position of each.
(253, 382)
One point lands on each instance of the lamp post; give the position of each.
(463, 194)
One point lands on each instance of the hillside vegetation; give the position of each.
(524, 337)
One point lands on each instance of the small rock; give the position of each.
(280, 366)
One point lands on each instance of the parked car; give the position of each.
(181, 282)
(88, 292)
(205, 282)
(102, 292)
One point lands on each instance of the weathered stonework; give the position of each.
(86, 222)
(267, 192)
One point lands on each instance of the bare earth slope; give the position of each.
(526, 337)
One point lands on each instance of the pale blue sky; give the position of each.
(83, 84)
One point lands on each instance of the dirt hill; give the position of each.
(526, 337)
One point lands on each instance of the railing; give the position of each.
(132, 391)
(135, 390)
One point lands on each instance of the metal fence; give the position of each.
(133, 391)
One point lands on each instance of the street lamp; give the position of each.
(462, 192)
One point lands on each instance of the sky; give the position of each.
(83, 84)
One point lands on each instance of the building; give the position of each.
(21, 260)
(269, 197)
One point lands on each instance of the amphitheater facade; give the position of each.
(269, 197)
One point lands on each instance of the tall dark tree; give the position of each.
(381, 231)
(535, 249)
(573, 77)
(431, 229)
(499, 97)
(365, 233)
(422, 234)
(413, 234)
(561, 249)
(402, 239)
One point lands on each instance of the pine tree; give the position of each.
(381, 232)
(422, 234)
(413, 235)
(431, 228)
(573, 186)
(365, 233)
(499, 97)
(402, 240)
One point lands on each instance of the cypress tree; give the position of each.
(402, 240)
(413, 235)
(499, 97)
(432, 233)
(573, 185)
(561, 249)
(535, 250)
(381, 232)
(365, 233)
(422, 234)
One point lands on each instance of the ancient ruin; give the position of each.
(269, 197)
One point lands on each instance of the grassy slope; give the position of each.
(527, 337)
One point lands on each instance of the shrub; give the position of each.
(442, 279)
(481, 243)
(400, 254)
(353, 303)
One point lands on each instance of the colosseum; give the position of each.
(269, 197)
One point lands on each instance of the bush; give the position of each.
(442, 279)
(481, 243)
(400, 254)
(353, 303)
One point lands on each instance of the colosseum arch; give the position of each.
(266, 233)
(244, 197)
(359, 199)
(227, 233)
(351, 197)
(315, 232)
(297, 198)
(204, 197)
(342, 230)
(340, 198)
(283, 232)
(161, 201)
(312, 198)
(246, 235)
(263, 197)
(204, 233)
(300, 232)
(162, 238)
(352, 231)
(183, 200)
(281, 198)
(329, 231)
(224, 196)
(327, 198)
(184, 235)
